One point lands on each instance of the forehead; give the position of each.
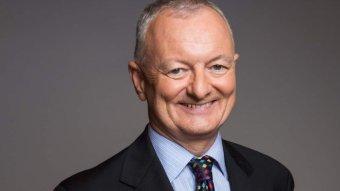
(200, 31)
(171, 22)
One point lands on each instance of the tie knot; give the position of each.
(201, 167)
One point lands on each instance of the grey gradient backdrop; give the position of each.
(67, 102)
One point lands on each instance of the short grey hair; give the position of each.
(152, 11)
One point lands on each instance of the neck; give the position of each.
(197, 148)
(195, 144)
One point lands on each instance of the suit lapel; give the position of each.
(238, 169)
(142, 168)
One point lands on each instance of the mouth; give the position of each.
(198, 106)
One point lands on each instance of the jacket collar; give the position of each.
(142, 168)
(239, 169)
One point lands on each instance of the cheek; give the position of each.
(170, 89)
(227, 85)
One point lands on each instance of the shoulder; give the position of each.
(252, 156)
(103, 176)
(262, 169)
(110, 174)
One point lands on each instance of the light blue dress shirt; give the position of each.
(175, 158)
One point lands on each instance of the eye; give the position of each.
(177, 73)
(218, 68)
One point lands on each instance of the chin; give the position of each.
(201, 131)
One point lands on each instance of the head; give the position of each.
(184, 68)
(180, 7)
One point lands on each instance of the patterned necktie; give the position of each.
(201, 167)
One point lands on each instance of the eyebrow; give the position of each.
(228, 59)
(166, 63)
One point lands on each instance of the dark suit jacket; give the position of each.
(138, 168)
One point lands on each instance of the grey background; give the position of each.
(67, 102)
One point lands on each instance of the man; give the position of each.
(184, 68)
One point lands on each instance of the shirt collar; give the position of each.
(174, 158)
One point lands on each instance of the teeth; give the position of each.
(198, 106)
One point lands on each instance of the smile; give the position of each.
(198, 106)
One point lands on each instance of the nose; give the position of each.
(199, 86)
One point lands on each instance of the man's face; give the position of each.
(189, 78)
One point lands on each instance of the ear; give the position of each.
(236, 56)
(138, 80)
